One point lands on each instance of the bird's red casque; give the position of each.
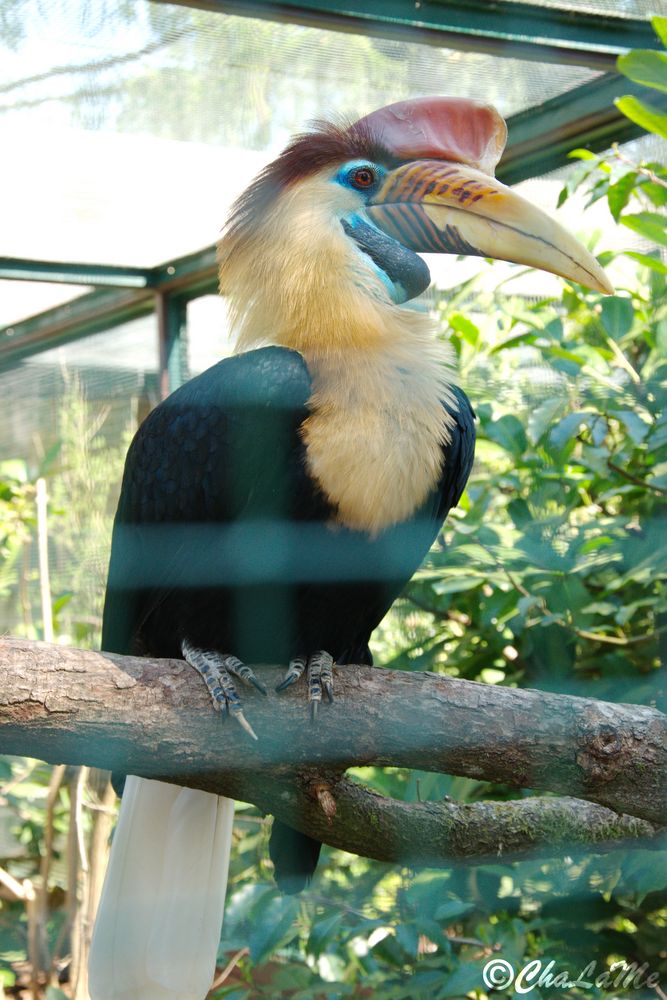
(439, 128)
(456, 129)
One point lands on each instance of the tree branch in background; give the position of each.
(154, 718)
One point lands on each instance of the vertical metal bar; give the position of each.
(162, 341)
(172, 345)
(178, 354)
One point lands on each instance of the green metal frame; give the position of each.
(168, 287)
(171, 312)
(18, 269)
(497, 27)
(539, 140)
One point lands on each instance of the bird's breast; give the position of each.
(374, 441)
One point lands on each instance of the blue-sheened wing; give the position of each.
(214, 453)
(220, 532)
(459, 456)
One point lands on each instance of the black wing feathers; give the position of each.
(216, 492)
(209, 454)
(459, 455)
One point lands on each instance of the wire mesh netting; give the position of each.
(132, 125)
(126, 129)
(131, 129)
(21, 298)
(612, 8)
(73, 412)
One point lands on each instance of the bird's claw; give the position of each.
(294, 671)
(319, 675)
(243, 722)
(217, 669)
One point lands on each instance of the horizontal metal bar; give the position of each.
(201, 264)
(188, 275)
(539, 141)
(541, 137)
(85, 315)
(496, 27)
(19, 269)
(182, 279)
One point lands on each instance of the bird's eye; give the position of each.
(363, 177)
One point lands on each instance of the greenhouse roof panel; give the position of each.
(132, 126)
(581, 33)
(643, 9)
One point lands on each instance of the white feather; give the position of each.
(158, 925)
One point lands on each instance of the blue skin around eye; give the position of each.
(403, 273)
(345, 174)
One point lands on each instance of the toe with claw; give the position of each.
(319, 674)
(217, 670)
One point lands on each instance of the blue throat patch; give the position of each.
(404, 273)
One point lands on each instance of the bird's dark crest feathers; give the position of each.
(324, 144)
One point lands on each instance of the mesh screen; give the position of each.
(19, 299)
(132, 126)
(72, 414)
(614, 8)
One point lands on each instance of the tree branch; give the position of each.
(153, 718)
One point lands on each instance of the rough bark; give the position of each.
(153, 718)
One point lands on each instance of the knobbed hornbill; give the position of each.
(273, 507)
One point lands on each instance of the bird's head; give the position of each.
(325, 241)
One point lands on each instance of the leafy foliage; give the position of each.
(553, 573)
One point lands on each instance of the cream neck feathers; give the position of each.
(374, 437)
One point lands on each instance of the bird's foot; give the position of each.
(217, 670)
(319, 675)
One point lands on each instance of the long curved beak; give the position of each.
(434, 206)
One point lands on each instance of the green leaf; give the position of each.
(645, 66)
(468, 330)
(467, 977)
(322, 931)
(450, 911)
(648, 261)
(617, 315)
(475, 553)
(581, 154)
(656, 192)
(600, 608)
(407, 936)
(273, 927)
(542, 418)
(554, 329)
(619, 193)
(648, 224)
(660, 28)
(636, 428)
(647, 116)
(60, 602)
(567, 429)
(508, 432)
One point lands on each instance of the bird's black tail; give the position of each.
(294, 855)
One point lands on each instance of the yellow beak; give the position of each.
(433, 206)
